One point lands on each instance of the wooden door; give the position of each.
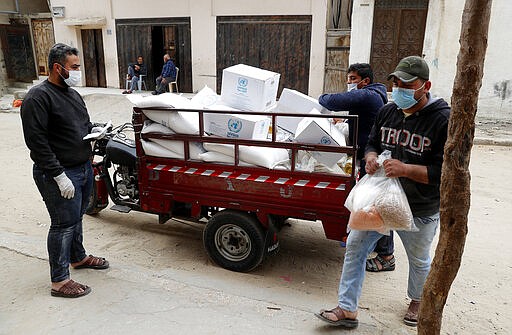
(398, 32)
(336, 61)
(276, 43)
(17, 49)
(42, 30)
(94, 59)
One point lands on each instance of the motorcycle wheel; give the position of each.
(94, 206)
(235, 240)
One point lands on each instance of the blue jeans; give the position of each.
(134, 85)
(65, 238)
(385, 245)
(161, 88)
(360, 243)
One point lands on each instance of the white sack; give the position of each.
(217, 157)
(162, 100)
(206, 97)
(155, 127)
(261, 156)
(195, 148)
(154, 149)
(180, 122)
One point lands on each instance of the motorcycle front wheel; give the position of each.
(97, 202)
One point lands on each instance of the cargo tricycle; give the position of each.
(242, 206)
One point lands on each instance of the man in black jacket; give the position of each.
(55, 120)
(414, 129)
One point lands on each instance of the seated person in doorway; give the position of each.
(134, 72)
(168, 74)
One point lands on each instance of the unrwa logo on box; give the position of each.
(242, 84)
(325, 140)
(234, 126)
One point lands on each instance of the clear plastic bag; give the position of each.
(379, 203)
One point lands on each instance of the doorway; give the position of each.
(94, 59)
(164, 40)
(398, 31)
(17, 49)
(151, 39)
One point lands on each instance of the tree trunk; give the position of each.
(455, 180)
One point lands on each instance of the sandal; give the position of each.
(411, 317)
(93, 262)
(372, 266)
(341, 319)
(71, 289)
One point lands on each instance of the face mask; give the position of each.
(404, 97)
(351, 87)
(74, 78)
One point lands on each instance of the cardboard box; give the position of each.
(237, 126)
(249, 88)
(321, 131)
(292, 101)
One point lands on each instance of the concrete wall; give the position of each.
(203, 23)
(86, 16)
(441, 47)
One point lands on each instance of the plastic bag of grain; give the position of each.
(377, 197)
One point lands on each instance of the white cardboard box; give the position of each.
(237, 126)
(321, 131)
(249, 88)
(292, 101)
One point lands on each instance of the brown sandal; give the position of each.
(93, 262)
(341, 319)
(71, 289)
(411, 317)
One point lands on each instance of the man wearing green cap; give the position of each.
(414, 128)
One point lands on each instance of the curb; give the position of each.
(492, 141)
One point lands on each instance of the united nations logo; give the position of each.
(242, 82)
(235, 125)
(325, 140)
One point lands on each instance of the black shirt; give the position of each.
(417, 139)
(55, 120)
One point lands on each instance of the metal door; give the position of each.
(398, 31)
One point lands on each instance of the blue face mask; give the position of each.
(404, 97)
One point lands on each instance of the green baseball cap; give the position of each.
(410, 68)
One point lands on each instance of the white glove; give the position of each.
(98, 130)
(67, 190)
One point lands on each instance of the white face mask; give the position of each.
(352, 86)
(74, 78)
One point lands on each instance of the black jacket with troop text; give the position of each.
(417, 139)
(55, 120)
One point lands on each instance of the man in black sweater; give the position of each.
(55, 120)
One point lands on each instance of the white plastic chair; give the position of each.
(139, 83)
(175, 82)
